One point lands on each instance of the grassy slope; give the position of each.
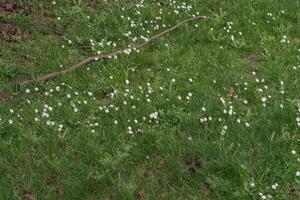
(177, 157)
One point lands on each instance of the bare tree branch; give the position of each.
(108, 56)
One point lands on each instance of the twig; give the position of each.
(108, 56)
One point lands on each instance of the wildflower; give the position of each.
(154, 116)
(263, 99)
(274, 186)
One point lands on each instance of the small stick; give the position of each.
(91, 59)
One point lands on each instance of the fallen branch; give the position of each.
(108, 56)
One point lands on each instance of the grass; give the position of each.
(211, 111)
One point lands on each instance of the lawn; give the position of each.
(209, 111)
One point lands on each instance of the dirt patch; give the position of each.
(252, 58)
(292, 191)
(10, 32)
(26, 194)
(44, 22)
(9, 7)
(46, 26)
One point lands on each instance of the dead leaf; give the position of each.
(9, 7)
(51, 178)
(193, 164)
(161, 163)
(4, 96)
(207, 186)
(140, 194)
(144, 173)
(230, 91)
